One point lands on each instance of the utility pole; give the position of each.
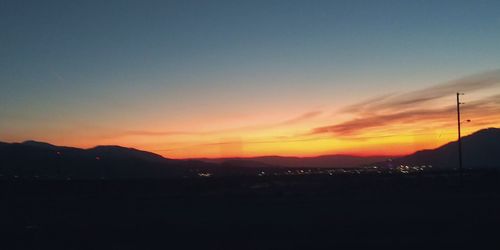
(459, 139)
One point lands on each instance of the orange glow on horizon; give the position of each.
(394, 125)
(291, 138)
(368, 144)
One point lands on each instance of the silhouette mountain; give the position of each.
(117, 152)
(44, 160)
(39, 144)
(480, 150)
(324, 161)
(111, 151)
(32, 159)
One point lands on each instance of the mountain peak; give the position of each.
(37, 144)
(124, 152)
(480, 150)
(111, 147)
(487, 131)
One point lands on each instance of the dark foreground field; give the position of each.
(294, 212)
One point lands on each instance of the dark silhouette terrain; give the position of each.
(481, 150)
(425, 211)
(39, 160)
(323, 161)
(30, 158)
(111, 197)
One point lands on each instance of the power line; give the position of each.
(301, 140)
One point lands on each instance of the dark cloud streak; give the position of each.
(424, 96)
(301, 118)
(414, 106)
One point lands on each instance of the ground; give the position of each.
(286, 212)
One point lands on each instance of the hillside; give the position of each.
(480, 150)
(324, 161)
(43, 160)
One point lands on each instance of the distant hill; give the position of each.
(325, 161)
(44, 160)
(34, 159)
(480, 150)
(117, 152)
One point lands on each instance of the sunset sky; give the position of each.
(247, 78)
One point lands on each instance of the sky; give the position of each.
(246, 78)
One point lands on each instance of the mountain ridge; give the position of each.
(322, 161)
(31, 158)
(480, 150)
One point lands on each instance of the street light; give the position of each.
(459, 121)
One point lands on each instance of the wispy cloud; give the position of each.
(355, 125)
(393, 102)
(247, 142)
(416, 106)
(300, 118)
(294, 120)
(154, 133)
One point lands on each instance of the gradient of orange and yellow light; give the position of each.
(394, 124)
